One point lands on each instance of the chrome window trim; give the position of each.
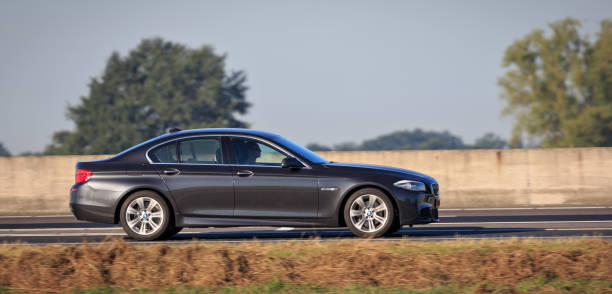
(220, 136)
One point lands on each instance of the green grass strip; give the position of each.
(277, 287)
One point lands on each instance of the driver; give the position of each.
(253, 152)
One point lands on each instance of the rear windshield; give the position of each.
(164, 154)
(141, 144)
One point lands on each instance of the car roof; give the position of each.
(142, 147)
(228, 131)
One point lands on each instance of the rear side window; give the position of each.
(202, 150)
(164, 153)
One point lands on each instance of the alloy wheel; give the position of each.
(144, 216)
(368, 213)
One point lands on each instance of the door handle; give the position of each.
(172, 171)
(244, 173)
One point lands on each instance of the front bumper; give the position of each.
(428, 210)
(417, 207)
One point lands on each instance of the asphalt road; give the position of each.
(560, 222)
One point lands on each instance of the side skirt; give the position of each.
(189, 221)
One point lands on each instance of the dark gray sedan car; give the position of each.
(240, 177)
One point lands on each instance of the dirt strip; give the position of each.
(340, 264)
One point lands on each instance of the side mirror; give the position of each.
(291, 162)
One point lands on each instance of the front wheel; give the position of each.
(145, 216)
(172, 231)
(369, 213)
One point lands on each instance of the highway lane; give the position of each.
(552, 222)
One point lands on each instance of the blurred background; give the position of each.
(85, 77)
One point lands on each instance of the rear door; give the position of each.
(193, 170)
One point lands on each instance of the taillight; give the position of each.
(82, 176)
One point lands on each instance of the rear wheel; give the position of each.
(369, 213)
(145, 216)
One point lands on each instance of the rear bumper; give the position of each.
(84, 206)
(91, 213)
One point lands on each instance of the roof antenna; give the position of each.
(172, 130)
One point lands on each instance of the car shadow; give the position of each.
(345, 233)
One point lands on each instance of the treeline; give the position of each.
(416, 139)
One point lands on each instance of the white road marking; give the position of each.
(529, 208)
(512, 229)
(62, 234)
(36, 216)
(285, 229)
(532, 222)
(581, 229)
(55, 229)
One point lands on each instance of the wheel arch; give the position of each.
(146, 188)
(350, 191)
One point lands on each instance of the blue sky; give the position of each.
(318, 71)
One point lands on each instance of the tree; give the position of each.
(346, 146)
(559, 87)
(317, 147)
(30, 153)
(158, 85)
(414, 140)
(490, 141)
(4, 151)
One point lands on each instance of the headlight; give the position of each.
(410, 185)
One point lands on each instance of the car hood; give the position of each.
(393, 171)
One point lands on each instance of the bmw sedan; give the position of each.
(240, 177)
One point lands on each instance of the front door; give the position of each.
(266, 190)
(193, 170)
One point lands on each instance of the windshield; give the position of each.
(301, 151)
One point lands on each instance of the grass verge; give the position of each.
(490, 266)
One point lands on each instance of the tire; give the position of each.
(172, 231)
(394, 227)
(380, 215)
(146, 224)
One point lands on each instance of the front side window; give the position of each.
(253, 152)
(164, 154)
(201, 150)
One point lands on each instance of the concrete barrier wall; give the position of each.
(37, 184)
(506, 178)
(468, 178)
